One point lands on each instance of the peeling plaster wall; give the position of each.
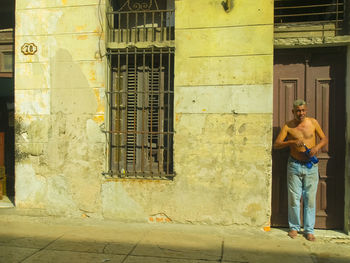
(223, 107)
(223, 116)
(223, 122)
(59, 99)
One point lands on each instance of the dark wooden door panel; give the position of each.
(325, 75)
(317, 76)
(289, 81)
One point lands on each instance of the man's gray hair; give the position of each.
(298, 103)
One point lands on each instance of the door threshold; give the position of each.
(331, 234)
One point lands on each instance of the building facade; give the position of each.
(162, 110)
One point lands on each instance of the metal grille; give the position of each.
(141, 110)
(132, 21)
(309, 16)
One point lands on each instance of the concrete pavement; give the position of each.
(39, 239)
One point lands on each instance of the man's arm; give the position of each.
(280, 140)
(323, 138)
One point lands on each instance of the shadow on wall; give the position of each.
(70, 91)
(65, 110)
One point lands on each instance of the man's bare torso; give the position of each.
(304, 131)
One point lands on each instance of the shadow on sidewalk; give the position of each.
(105, 246)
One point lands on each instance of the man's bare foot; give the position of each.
(310, 237)
(293, 233)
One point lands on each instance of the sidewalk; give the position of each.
(50, 239)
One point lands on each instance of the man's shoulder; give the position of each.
(290, 124)
(312, 120)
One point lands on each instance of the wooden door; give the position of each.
(318, 76)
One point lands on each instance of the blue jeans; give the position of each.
(301, 181)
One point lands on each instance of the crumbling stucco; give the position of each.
(223, 116)
(60, 147)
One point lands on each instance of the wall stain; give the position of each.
(20, 156)
(231, 130)
(242, 128)
(82, 37)
(19, 130)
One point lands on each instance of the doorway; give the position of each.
(316, 75)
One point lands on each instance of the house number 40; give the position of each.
(29, 49)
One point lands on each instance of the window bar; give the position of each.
(119, 28)
(161, 28)
(169, 27)
(306, 6)
(113, 31)
(153, 29)
(168, 113)
(151, 111)
(126, 113)
(120, 103)
(114, 118)
(157, 7)
(110, 137)
(127, 28)
(109, 21)
(135, 95)
(136, 27)
(306, 14)
(112, 27)
(144, 27)
(303, 22)
(160, 110)
(144, 115)
(170, 33)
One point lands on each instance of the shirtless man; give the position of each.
(301, 180)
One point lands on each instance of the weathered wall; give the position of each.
(59, 93)
(223, 121)
(223, 100)
(223, 113)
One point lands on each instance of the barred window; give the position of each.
(133, 21)
(141, 92)
(328, 14)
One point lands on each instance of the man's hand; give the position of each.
(313, 151)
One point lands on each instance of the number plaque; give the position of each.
(29, 49)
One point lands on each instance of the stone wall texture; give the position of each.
(223, 115)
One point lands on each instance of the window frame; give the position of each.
(142, 48)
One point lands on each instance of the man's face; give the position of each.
(300, 112)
